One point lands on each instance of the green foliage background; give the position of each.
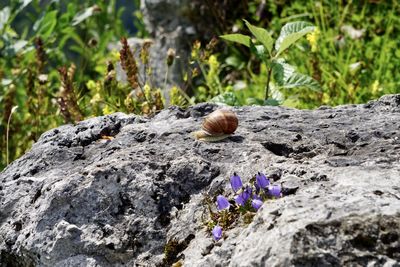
(350, 68)
(354, 55)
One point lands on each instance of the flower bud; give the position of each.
(274, 190)
(236, 182)
(217, 232)
(170, 56)
(261, 180)
(256, 204)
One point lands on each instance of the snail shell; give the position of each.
(218, 125)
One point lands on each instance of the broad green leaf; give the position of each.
(298, 80)
(281, 71)
(286, 76)
(262, 102)
(238, 38)
(235, 61)
(4, 16)
(24, 3)
(18, 45)
(254, 101)
(290, 33)
(47, 24)
(262, 35)
(271, 102)
(259, 51)
(81, 16)
(227, 98)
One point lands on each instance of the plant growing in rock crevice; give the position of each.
(247, 201)
(284, 75)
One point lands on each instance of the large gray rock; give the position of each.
(77, 199)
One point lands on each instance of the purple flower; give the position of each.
(236, 182)
(257, 188)
(222, 203)
(246, 193)
(261, 180)
(242, 198)
(257, 197)
(256, 203)
(239, 200)
(217, 232)
(274, 190)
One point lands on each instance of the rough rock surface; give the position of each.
(80, 198)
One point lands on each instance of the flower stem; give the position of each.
(8, 131)
(267, 85)
(166, 78)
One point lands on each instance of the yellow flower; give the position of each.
(313, 39)
(147, 91)
(114, 54)
(91, 85)
(376, 88)
(351, 90)
(107, 110)
(213, 61)
(326, 98)
(96, 98)
(196, 49)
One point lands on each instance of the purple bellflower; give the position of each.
(246, 193)
(242, 198)
(257, 187)
(222, 203)
(236, 182)
(239, 200)
(261, 180)
(256, 203)
(275, 190)
(217, 232)
(257, 197)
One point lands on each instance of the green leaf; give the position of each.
(271, 102)
(262, 102)
(254, 101)
(286, 76)
(281, 71)
(81, 16)
(259, 51)
(262, 35)
(24, 3)
(227, 98)
(235, 61)
(18, 45)
(47, 24)
(290, 33)
(238, 38)
(4, 16)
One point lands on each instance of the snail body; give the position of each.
(218, 125)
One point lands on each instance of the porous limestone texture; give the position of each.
(114, 190)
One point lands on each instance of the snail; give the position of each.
(218, 125)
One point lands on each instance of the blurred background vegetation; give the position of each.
(57, 66)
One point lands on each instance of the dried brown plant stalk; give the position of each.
(128, 64)
(109, 81)
(40, 55)
(67, 99)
